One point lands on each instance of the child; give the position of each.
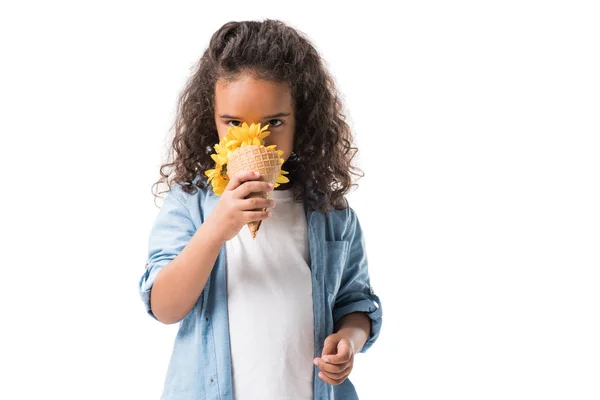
(280, 316)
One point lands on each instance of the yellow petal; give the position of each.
(221, 149)
(282, 172)
(223, 159)
(219, 184)
(253, 129)
(282, 179)
(263, 135)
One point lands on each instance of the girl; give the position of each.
(280, 316)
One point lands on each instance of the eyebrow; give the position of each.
(278, 115)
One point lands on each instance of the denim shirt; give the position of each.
(200, 364)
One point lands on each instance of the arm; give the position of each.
(179, 263)
(181, 258)
(356, 327)
(179, 284)
(356, 312)
(355, 294)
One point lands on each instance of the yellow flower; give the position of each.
(239, 136)
(222, 154)
(218, 175)
(219, 178)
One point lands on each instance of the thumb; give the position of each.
(330, 345)
(344, 353)
(344, 347)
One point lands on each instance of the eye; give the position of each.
(233, 123)
(275, 123)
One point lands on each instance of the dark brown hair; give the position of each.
(320, 165)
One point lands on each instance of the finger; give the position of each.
(329, 380)
(331, 368)
(249, 216)
(236, 180)
(336, 377)
(330, 345)
(252, 186)
(255, 203)
(343, 354)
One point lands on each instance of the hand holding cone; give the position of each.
(243, 149)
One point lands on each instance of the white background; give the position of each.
(478, 126)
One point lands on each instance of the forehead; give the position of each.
(248, 95)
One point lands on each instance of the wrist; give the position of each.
(355, 327)
(212, 231)
(354, 337)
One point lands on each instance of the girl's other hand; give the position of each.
(337, 359)
(234, 210)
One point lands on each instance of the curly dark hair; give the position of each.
(320, 165)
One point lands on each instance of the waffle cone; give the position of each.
(259, 159)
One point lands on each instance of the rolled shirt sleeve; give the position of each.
(355, 293)
(172, 230)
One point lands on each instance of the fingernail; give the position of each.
(315, 361)
(271, 185)
(256, 173)
(325, 358)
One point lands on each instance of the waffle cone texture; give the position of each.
(259, 159)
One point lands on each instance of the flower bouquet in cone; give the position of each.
(243, 149)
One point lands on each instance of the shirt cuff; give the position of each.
(372, 309)
(146, 283)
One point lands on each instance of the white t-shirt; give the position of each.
(269, 299)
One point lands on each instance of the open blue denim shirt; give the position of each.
(200, 365)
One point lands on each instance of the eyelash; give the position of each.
(271, 125)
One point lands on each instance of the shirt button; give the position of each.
(372, 291)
